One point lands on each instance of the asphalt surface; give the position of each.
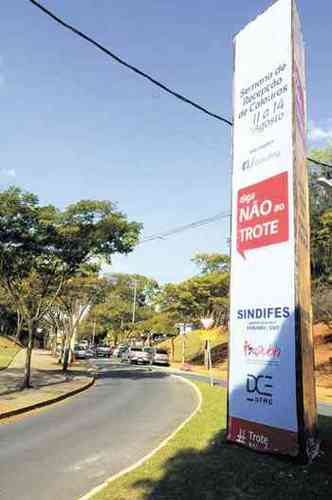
(67, 449)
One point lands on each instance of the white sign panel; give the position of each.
(262, 372)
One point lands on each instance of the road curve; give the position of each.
(66, 450)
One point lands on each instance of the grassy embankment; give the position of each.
(198, 464)
(195, 357)
(8, 349)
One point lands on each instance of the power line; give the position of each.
(140, 72)
(320, 163)
(181, 229)
(127, 65)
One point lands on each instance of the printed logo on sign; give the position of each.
(263, 313)
(241, 436)
(262, 214)
(256, 161)
(252, 439)
(261, 351)
(258, 440)
(259, 389)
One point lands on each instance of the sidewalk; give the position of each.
(48, 381)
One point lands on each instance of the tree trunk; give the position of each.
(27, 370)
(65, 358)
(67, 355)
(65, 361)
(54, 340)
(19, 324)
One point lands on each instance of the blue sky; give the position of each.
(76, 125)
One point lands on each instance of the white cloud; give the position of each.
(8, 172)
(319, 133)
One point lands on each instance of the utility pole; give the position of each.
(134, 301)
(94, 332)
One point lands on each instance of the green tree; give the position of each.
(212, 262)
(320, 219)
(197, 297)
(8, 314)
(41, 248)
(77, 297)
(126, 293)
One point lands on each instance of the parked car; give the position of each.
(103, 351)
(90, 352)
(116, 352)
(150, 351)
(119, 351)
(160, 357)
(79, 352)
(124, 353)
(139, 355)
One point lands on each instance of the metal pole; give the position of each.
(183, 348)
(94, 332)
(210, 364)
(134, 302)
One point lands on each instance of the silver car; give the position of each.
(139, 355)
(160, 357)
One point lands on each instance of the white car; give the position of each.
(160, 357)
(139, 355)
(79, 352)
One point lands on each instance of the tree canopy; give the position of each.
(41, 247)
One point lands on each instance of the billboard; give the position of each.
(265, 397)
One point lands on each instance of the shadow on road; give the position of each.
(127, 372)
(11, 379)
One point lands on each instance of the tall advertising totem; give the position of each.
(271, 385)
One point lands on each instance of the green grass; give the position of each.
(198, 464)
(194, 345)
(8, 349)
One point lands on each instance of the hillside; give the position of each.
(323, 356)
(194, 355)
(194, 349)
(8, 349)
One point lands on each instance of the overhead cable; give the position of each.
(127, 65)
(138, 71)
(181, 229)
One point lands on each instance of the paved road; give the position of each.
(64, 451)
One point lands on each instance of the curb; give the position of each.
(47, 402)
(141, 461)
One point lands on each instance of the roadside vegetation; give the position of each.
(198, 463)
(8, 350)
(53, 292)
